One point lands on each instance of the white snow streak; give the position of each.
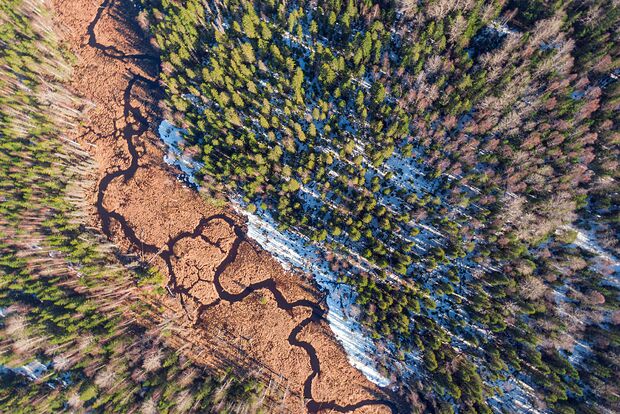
(173, 137)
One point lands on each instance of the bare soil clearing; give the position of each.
(221, 280)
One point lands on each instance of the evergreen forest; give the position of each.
(456, 162)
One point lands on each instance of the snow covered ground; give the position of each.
(516, 398)
(173, 138)
(32, 370)
(293, 252)
(586, 240)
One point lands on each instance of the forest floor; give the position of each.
(223, 289)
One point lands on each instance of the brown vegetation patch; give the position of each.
(340, 382)
(157, 208)
(262, 330)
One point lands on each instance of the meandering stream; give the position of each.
(136, 124)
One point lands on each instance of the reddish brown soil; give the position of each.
(156, 207)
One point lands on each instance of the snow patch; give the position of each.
(586, 240)
(32, 370)
(173, 138)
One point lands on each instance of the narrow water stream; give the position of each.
(136, 124)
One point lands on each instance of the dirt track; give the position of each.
(221, 280)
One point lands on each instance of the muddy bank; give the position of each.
(218, 279)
